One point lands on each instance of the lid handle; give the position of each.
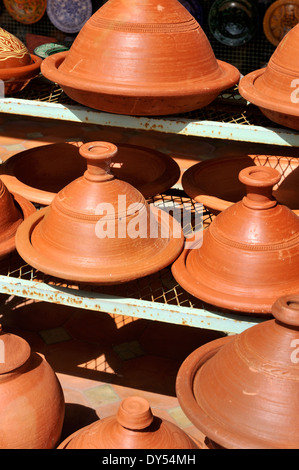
(98, 156)
(135, 413)
(259, 182)
(286, 310)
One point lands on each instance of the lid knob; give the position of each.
(135, 413)
(259, 182)
(98, 156)
(286, 310)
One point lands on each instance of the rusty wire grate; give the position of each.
(159, 287)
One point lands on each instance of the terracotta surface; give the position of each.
(249, 253)
(41, 172)
(242, 391)
(216, 185)
(151, 58)
(17, 65)
(274, 88)
(279, 19)
(124, 237)
(133, 427)
(14, 209)
(32, 402)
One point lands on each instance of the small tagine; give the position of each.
(242, 391)
(14, 209)
(134, 427)
(146, 58)
(249, 254)
(41, 172)
(215, 184)
(17, 66)
(31, 398)
(275, 88)
(99, 229)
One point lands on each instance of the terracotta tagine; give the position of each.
(241, 391)
(31, 398)
(14, 209)
(249, 254)
(279, 19)
(215, 184)
(99, 229)
(141, 58)
(17, 66)
(275, 88)
(134, 427)
(39, 173)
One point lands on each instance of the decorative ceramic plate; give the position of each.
(44, 50)
(279, 19)
(27, 11)
(69, 15)
(233, 23)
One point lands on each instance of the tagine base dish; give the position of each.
(115, 274)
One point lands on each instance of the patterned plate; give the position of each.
(69, 15)
(26, 12)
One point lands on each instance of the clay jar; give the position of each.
(141, 58)
(14, 209)
(31, 398)
(274, 89)
(134, 427)
(17, 66)
(99, 229)
(242, 391)
(249, 254)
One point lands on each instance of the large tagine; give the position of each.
(275, 88)
(141, 58)
(13, 209)
(31, 398)
(133, 427)
(99, 229)
(249, 254)
(39, 173)
(17, 65)
(242, 391)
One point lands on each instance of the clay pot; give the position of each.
(146, 58)
(242, 391)
(14, 209)
(274, 89)
(249, 254)
(134, 427)
(215, 184)
(32, 403)
(17, 66)
(99, 229)
(39, 173)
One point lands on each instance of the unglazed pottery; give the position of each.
(39, 173)
(275, 88)
(14, 209)
(215, 183)
(146, 58)
(134, 427)
(31, 398)
(279, 19)
(233, 23)
(69, 16)
(17, 66)
(249, 254)
(99, 229)
(242, 391)
(26, 11)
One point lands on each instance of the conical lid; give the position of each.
(249, 254)
(99, 229)
(274, 88)
(141, 58)
(242, 391)
(13, 210)
(134, 427)
(14, 352)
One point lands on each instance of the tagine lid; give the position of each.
(14, 352)
(249, 253)
(242, 391)
(133, 427)
(121, 231)
(274, 87)
(113, 65)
